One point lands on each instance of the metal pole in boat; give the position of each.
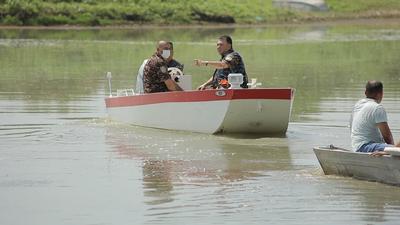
(109, 76)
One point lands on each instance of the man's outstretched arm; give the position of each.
(215, 64)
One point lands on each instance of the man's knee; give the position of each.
(372, 147)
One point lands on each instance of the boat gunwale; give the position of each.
(200, 96)
(327, 149)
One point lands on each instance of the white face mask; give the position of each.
(166, 53)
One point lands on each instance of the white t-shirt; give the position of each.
(363, 123)
(139, 78)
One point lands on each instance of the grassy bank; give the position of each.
(125, 12)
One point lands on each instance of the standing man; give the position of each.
(155, 74)
(231, 62)
(370, 131)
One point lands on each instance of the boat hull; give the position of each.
(384, 169)
(211, 111)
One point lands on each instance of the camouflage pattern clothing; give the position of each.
(154, 74)
(236, 65)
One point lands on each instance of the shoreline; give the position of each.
(327, 22)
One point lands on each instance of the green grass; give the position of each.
(122, 12)
(355, 6)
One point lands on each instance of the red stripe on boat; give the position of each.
(199, 96)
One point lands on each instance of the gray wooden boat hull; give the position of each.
(384, 169)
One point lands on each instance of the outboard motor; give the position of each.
(235, 79)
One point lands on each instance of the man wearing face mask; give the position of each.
(231, 62)
(155, 74)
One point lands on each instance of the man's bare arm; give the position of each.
(386, 133)
(380, 153)
(215, 64)
(207, 83)
(172, 86)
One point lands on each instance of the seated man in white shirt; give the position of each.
(370, 131)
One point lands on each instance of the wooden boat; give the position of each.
(384, 169)
(259, 110)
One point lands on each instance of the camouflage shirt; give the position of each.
(236, 65)
(154, 74)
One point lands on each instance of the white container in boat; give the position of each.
(235, 79)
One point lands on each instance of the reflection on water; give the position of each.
(206, 169)
(366, 198)
(58, 149)
(177, 158)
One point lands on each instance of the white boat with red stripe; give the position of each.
(259, 110)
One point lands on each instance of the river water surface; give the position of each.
(62, 161)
